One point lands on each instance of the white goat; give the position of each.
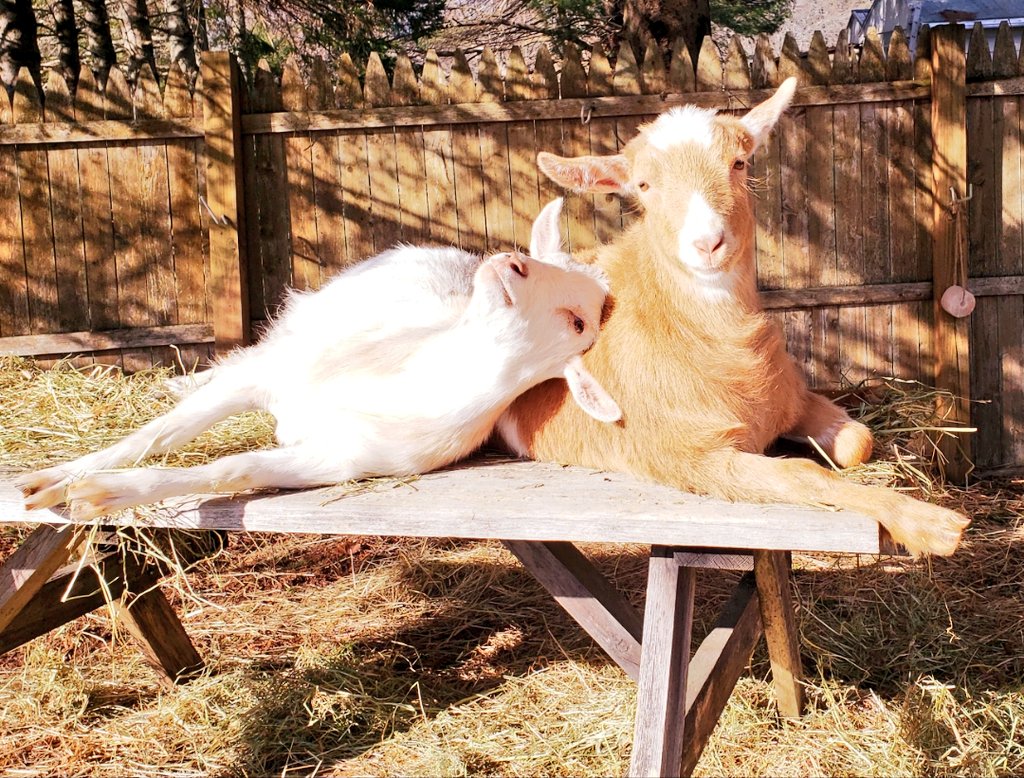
(400, 365)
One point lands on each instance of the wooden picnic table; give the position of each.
(539, 511)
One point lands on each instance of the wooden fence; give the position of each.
(131, 223)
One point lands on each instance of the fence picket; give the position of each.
(415, 213)
(183, 157)
(14, 317)
(298, 151)
(549, 131)
(607, 213)
(680, 70)
(469, 190)
(270, 235)
(437, 151)
(736, 69)
(37, 229)
(353, 172)
(579, 209)
(66, 214)
(709, 67)
(381, 162)
(522, 152)
(653, 77)
(902, 209)
(494, 153)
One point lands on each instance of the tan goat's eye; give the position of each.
(739, 164)
(643, 186)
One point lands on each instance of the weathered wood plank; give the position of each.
(36, 226)
(438, 160)
(412, 171)
(469, 189)
(187, 239)
(664, 666)
(74, 591)
(151, 620)
(495, 156)
(949, 171)
(381, 161)
(228, 284)
(66, 213)
(578, 210)
(614, 624)
(90, 131)
(105, 340)
(716, 667)
(771, 570)
(29, 567)
(305, 257)
(511, 501)
(623, 103)
(522, 152)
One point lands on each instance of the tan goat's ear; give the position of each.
(587, 174)
(760, 120)
(589, 394)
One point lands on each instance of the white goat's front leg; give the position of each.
(295, 467)
(216, 400)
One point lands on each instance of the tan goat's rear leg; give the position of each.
(920, 527)
(847, 442)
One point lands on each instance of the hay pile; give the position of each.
(371, 656)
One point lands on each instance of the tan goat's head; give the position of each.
(688, 169)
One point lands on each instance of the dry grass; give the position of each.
(375, 656)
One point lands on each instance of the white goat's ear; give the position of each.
(587, 174)
(589, 394)
(546, 233)
(760, 120)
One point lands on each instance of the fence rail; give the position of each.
(133, 220)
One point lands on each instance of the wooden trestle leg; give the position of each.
(664, 663)
(771, 569)
(588, 596)
(28, 569)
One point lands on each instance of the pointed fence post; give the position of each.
(949, 240)
(222, 126)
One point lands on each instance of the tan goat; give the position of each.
(700, 372)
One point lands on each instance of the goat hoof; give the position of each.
(43, 488)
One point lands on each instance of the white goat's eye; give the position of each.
(578, 324)
(643, 186)
(739, 164)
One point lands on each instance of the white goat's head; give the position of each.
(546, 309)
(688, 169)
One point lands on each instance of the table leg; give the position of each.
(613, 623)
(25, 571)
(152, 621)
(771, 569)
(664, 661)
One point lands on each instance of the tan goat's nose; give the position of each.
(709, 244)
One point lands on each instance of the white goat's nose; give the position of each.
(514, 262)
(708, 244)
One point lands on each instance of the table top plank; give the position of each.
(507, 500)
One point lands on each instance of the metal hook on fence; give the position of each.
(221, 220)
(955, 200)
(586, 110)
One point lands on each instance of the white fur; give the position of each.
(686, 124)
(400, 365)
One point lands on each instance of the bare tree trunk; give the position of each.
(98, 39)
(19, 44)
(202, 33)
(69, 61)
(180, 40)
(663, 21)
(138, 36)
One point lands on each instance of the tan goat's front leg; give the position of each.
(845, 441)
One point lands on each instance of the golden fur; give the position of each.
(703, 380)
